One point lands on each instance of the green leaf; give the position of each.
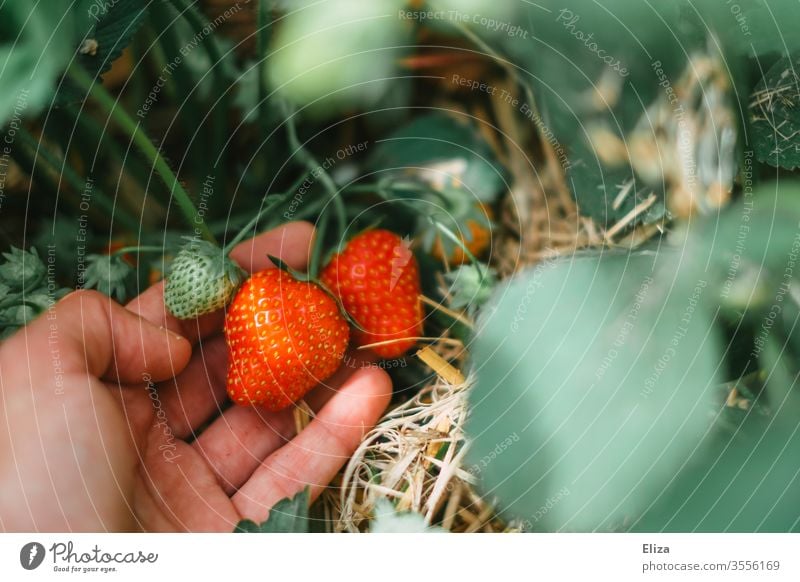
(775, 115)
(742, 477)
(757, 233)
(387, 520)
(596, 377)
(286, 516)
(593, 60)
(754, 27)
(22, 269)
(447, 154)
(103, 31)
(595, 187)
(115, 26)
(34, 50)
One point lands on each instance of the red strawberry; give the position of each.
(376, 278)
(284, 336)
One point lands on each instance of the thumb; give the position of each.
(87, 332)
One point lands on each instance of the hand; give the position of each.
(115, 420)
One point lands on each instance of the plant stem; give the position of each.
(199, 22)
(132, 128)
(62, 168)
(137, 250)
(319, 245)
(313, 166)
(271, 202)
(250, 226)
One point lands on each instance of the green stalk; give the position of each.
(313, 166)
(319, 245)
(271, 202)
(197, 21)
(62, 168)
(124, 121)
(137, 250)
(247, 228)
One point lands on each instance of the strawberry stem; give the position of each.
(137, 250)
(281, 264)
(273, 201)
(124, 121)
(319, 244)
(251, 225)
(316, 168)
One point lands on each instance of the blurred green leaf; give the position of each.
(445, 153)
(743, 477)
(34, 50)
(595, 187)
(593, 60)
(596, 377)
(775, 111)
(761, 231)
(754, 27)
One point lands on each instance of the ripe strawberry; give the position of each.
(376, 278)
(201, 279)
(285, 336)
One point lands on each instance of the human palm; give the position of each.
(117, 419)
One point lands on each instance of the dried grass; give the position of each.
(414, 457)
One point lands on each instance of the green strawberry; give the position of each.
(201, 279)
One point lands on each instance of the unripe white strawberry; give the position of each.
(201, 279)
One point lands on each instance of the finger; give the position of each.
(198, 393)
(150, 305)
(87, 332)
(316, 454)
(179, 491)
(238, 441)
(290, 242)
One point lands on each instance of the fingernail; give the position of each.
(171, 334)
